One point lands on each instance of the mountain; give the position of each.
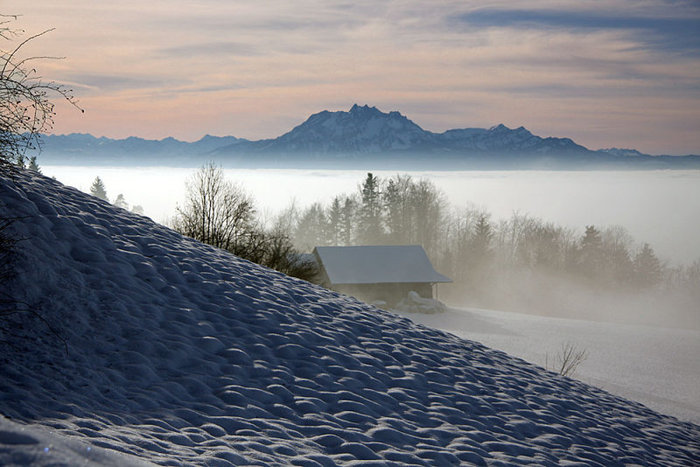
(131, 343)
(85, 149)
(361, 130)
(367, 132)
(361, 136)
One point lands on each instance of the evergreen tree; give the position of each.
(370, 228)
(335, 217)
(98, 189)
(647, 267)
(591, 253)
(33, 164)
(479, 252)
(396, 199)
(348, 216)
(481, 239)
(120, 202)
(618, 262)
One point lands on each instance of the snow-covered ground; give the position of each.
(656, 366)
(177, 353)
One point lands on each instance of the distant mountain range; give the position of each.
(364, 137)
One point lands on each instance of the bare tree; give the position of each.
(26, 109)
(216, 211)
(567, 361)
(219, 213)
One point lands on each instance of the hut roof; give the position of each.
(377, 264)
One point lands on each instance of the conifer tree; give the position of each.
(370, 210)
(335, 215)
(33, 165)
(98, 189)
(591, 252)
(647, 267)
(347, 221)
(120, 202)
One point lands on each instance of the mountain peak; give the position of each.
(499, 127)
(363, 129)
(364, 108)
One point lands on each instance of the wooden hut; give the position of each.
(374, 273)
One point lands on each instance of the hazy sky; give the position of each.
(606, 73)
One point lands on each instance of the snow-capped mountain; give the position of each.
(367, 130)
(361, 130)
(501, 139)
(359, 135)
(128, 343)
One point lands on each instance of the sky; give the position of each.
(606, 73)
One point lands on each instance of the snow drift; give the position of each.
(176, 352)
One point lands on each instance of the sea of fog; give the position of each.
(661, 207)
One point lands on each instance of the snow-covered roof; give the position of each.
(386, 264)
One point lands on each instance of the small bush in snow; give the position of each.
(567, 361)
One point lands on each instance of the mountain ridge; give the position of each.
(364, 134)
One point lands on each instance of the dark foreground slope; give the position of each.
(181, 353)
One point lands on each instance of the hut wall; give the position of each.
(389, 293)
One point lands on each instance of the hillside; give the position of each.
(357, 138)
(175, 352)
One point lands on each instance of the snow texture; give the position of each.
(657, 366)
(178, 353)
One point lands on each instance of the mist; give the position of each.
(521, 263)
(658, 207)
(550, 295)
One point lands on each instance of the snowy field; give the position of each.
(164, 350)
(656, 366)
(661, 207)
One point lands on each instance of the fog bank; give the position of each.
(658, 207)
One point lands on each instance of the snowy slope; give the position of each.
(656, 366)
(181, 353)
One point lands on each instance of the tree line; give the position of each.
(99, 190)
(486, 259)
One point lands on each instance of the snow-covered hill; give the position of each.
(657, 366)
(179, 353)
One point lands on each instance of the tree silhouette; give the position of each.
(33, 165)
(120, 202)
(26, 109)
(591, 252)
(220, 213)
(98, 189)
(370, 229)
(216, 211)
(647, 267)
